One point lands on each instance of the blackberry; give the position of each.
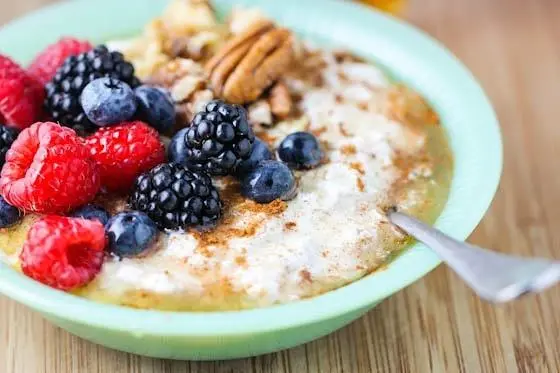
(7, 136)
(174, 197)
(62, 101)
(219, 139)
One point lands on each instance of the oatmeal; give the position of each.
(382, 146)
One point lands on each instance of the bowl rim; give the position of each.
(468, 201)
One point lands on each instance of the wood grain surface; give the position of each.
(435, 325)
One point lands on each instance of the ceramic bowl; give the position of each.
(409, 56)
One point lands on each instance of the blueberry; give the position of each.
(155, 107)
(130, 233)
(300, 150)
(268, 181)
(108, 101)
(177, 149)
(9, 215)
(259, 153)
(92, 212)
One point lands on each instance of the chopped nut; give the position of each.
(146, 52)
(184, 88)
(199, 43)
(186, 81)
(187, 28)
(280, 100)
(251, 62)
(241, 19)
(198, 46)
(185, 16)
(311, 65)
(200, 99)
(167, 75)
(260, 114)
(193, 105)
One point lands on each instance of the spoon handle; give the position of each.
(493, 276)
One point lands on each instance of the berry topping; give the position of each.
(125, 151)
(9, 215)
(300, 150)
(63, 92)
(108, 101)
(131, 234)
(92, 212)
(219, 138)
(62, 252)
(21, 102)
(48, 169)
(155, 107)
(260, 152)
(46, 63)
(177, 148)
(7, 137)
(176, 197)
(269, 181)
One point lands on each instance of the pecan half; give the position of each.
(251, 62)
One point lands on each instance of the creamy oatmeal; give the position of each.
(384, 146)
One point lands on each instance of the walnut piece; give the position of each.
(185, 16)
(187, 29)
(185, 80)
(251, 62)
(168, 74)
(183, 89)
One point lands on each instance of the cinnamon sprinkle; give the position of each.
(319, 131)
(360, 184)
(358, 166)
(241, 261)
(363, 106)
(305, 276)
(290, 226)
(343, 130)
(348, 149)
(220, 288)
(235, 206)
(338, 99)
(342, 76)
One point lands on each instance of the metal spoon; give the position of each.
(493, 276)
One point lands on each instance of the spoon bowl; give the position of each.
(493, 276)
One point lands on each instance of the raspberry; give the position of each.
(21, 96)
(48, 169)
(125, 151)
(64, 253)
(46, 63)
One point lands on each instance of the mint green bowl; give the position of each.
(409, 55)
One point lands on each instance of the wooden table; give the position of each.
(435, 325)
